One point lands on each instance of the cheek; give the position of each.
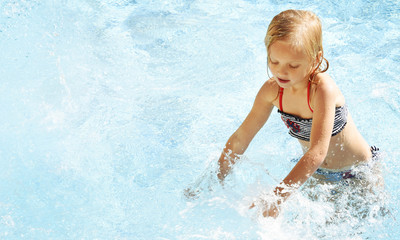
(272, 68)
(302, 72)
(309, 69)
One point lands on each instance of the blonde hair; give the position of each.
(303, 30)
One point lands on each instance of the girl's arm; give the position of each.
(241, 138)
(321, 131)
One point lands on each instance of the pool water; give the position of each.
(110, 109)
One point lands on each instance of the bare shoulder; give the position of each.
(326, 89)
(269, 91)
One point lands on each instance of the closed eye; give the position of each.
(294, 67)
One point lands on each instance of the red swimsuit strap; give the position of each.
(308, 97)
(280, 98)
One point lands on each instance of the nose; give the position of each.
(281, 71)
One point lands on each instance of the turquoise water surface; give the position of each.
(110, 109)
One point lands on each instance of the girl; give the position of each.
(310, 105)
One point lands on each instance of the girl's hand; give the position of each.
(270, 209)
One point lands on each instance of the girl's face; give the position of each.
(290, 67)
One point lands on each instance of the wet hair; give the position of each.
(302, 29)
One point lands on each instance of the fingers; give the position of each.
(271, 211)
(265, 214)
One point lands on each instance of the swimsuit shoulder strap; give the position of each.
(308, 95)
(280, 99)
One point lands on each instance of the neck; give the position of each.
(300, 87)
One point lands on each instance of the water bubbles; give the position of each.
(112, 107)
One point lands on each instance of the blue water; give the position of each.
(110, 109)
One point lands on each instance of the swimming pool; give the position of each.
(111, 108)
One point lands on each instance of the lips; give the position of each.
(283, 80)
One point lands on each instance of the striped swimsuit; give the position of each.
(300, 128)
